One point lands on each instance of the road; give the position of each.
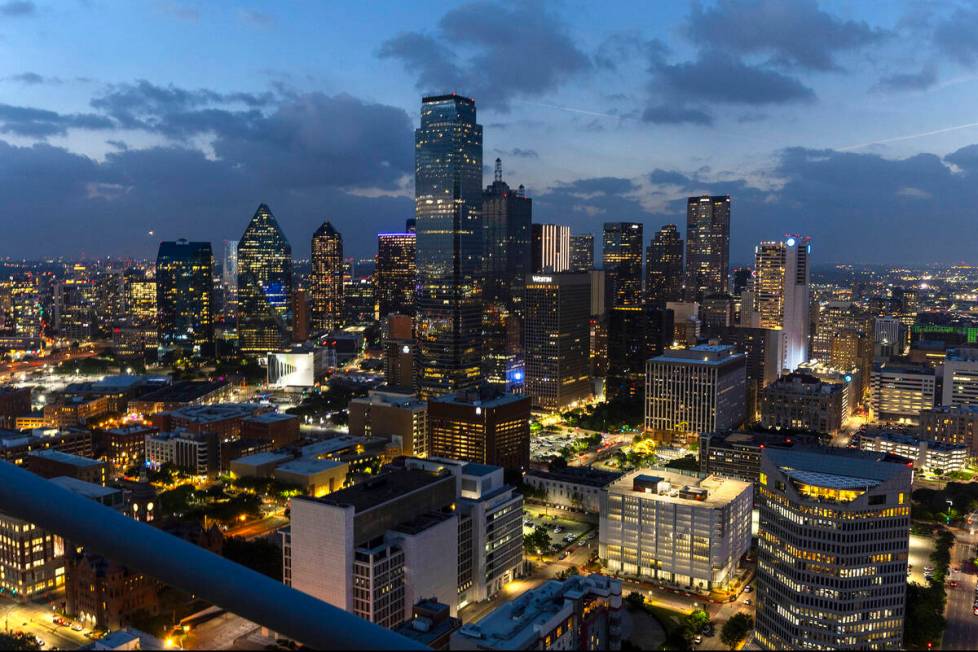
(36, 619)
(262, 527)
(961, 632)
(10, 370)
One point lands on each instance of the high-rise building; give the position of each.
(696, 390)
(229, 279)
(622, 261)
(768, 286)
(481, 425)
(676, 528)
(833, 542)
(184, 297)
(399, 351)
(396, 273)
(800, 401)
(664, 267)
(557, 339)
(961, 377)
(582, 252)
(781, 294)
(707, 246)
(901, 391)
(550, 246)
(327, 278)
(448, 198)
(506, 217)
(264, 285)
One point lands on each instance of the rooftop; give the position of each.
(309, 466)
(701, 354)
(259, 459)
(212, 413)
(272, 417)
(838, 467)
(64, 458)
(579, 475)
(82, 488)
(474, 468)
(485, 396)
(383, 488)
(185, 391)
(719, 491)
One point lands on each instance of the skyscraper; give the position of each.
(582, 252)
(768, 289)
(396, 272)
(551, 248)
(622, 259)
(264, 285)
(229, 279)
(664, 267)
(781, 294)
(506, 217)
(184, 297)
(707, 246)
(327, 278)
(448, 202)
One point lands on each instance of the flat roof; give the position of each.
(720, 491)
(183, 392)
(474, 468)
(216, 412)
(309, 466)
(271, 417)
(258, 459)
(64, 458)
(383, 488)
(863, 466)
(579, 475)
(82, 488)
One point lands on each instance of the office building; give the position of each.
(556, 339)
(448, 198)
(853, 349)
(507, 257)
(579, 613)
(185, 296)
(960, 377)
(901, 391)
(767, 289)
(264, 285)
(277, 428)
(229, 279)
(890, 337)
(104, 594)
(400, 418)
(696, 390)
(576, 488)
(481, 425)
(300, 366)
(664, 267)
(926, 454)
(193, 453)
(781, 294)
(832, 550)
(50, 463)
(223, 419)
(502, 346)
(952, 424)
(550, 248)
(737, 454)
(800, 401)
(834, 316)
(582, 252)
(628, 350)
(399, 351)
(676, 528)
(326, 279)
(622, 262)
(763, 348)
(376, 548)
(707, 246)
(396, 273)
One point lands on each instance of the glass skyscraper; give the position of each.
(506, 217)
(264, 285)
(707, 246)
(184, 297)
(327, 278)
(396, 273)
(622, 258)
(664, 267)
(448, 195)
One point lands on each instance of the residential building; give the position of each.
(676, 528)
(800, 401)
(485, 426)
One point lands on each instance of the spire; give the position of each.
(499, 170)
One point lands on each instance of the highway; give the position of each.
(961, 632)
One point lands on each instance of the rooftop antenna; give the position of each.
(499, 170)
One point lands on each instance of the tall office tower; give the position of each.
(763, 348)
(481, 425)
(960, 377)
(557, 339)
(832, 550)
(551, 248)
(741, 279)
(889, 337)
(184, 296)
(506, 217)
(502, 348)
(448, 202)
(782, 294)
(664, 267)
(376, 548)
(622, 260)
(707, 246)
(327, 278)
(140, 298)
(229, 279)
(264, 285)
(627, 351)
(768, 287)
(582, 252)
(834, 316)
(696, 390)
(395, 274)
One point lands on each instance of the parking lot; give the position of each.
(563, 532)
(920, 549)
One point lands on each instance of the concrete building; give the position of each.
(16, 446)
(800, 401)
(258, 465)
(696, 390)
(14, 402)
(579, 613)
(927, 455)
(194, 453)
(376, 548)
(400, 418)
(961, 377)
(574, 488)
(485, 426)
(314, 477)
(301, 366)
(676, 528)
(276, 427)
(901, 391)
(832, 550)
(737, 455)
(53, 463)
(953, 424)
(180, 394)
(124, 447)
(223, 419)
(431, 624)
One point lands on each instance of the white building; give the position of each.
(927, 455)
(191, 452)
(699, 389)
(900, 392)
(781, 295)
(298, 368)
(961, 377)
(676, 528)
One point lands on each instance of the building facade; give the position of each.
(800, 401)
(396, 273)
(185, 297)
(264, 285)
(664, 267)
(485, 426)
(707, 246)
(326, 280)
(550, 248)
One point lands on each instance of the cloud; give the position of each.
(180, 11)
(955, 35)
(16, 8)
(32, 79)
(676, 114)
(518, 152)
(492, 51)
(797, 33)
(921, 80)
(39, 123)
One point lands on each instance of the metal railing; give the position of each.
(190, 568)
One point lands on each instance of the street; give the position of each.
(36, 619)
(259, 528)
(961, 632)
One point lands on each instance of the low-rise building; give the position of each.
(676, 528)
(14, 402)
(579, 613)
(575, 488)
(431, 625)
(181, 394)
(927, 455)
(258, 465)
(800, 401)
(15, 446)
(50, 463)
(194, 453)
(277, 427)
(222, 419)
(69, 411)
(314, 477)
(123, 447)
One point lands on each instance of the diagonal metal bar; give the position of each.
(191, 568)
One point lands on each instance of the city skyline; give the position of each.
(837, 126)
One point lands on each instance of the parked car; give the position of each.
(748, 588)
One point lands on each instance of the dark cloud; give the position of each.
(518, 152)
(39, 123)
(955, 35)
(33, 79)
(921, 80)
(492, 51)
(797, 33)
(676, 114)
(15, 8)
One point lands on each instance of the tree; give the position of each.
(735, 629)
(538, 541)
(260, 555)
(19, 641)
